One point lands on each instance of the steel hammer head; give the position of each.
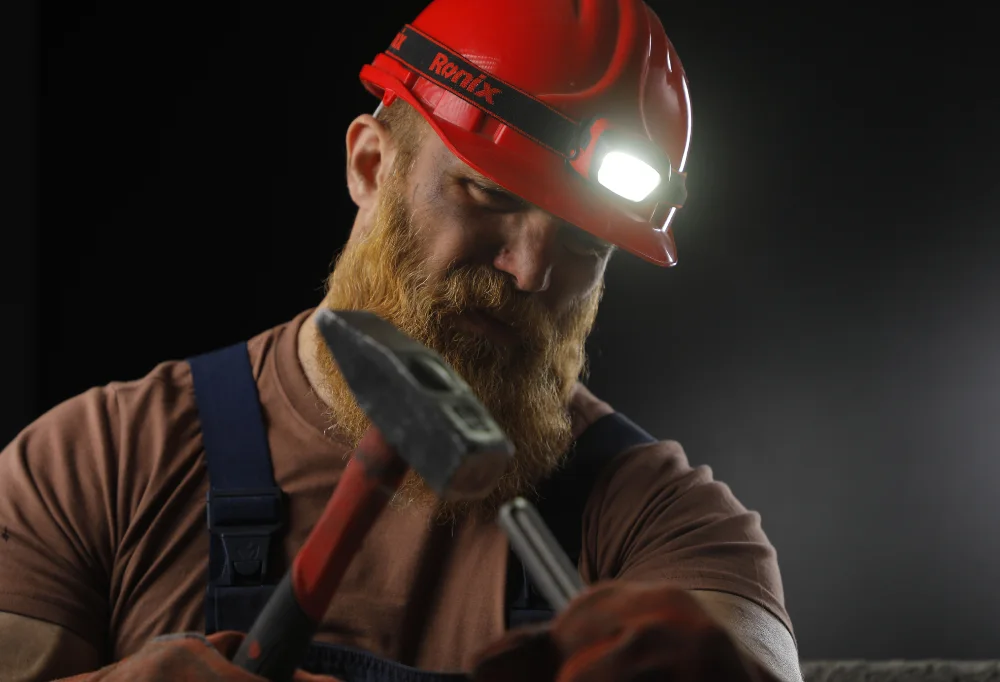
(419, 404)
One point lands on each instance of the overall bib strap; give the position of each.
(244, 505)
(562, 500)
(245, 517)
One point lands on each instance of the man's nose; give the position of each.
(527, 251)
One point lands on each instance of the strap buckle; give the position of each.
(244, 521)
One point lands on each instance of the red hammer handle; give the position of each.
(277, 643)
(369, 481)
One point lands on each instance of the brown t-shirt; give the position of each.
(103, 504)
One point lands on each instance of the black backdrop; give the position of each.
(829, 343)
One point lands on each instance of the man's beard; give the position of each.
(525, 386)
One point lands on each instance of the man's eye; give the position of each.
(493, 197)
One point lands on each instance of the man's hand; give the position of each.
(185, 658)
(622, 632)
(585, 408)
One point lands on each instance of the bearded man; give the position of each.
(493, 184)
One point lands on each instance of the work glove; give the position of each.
(621, 632)
(185, 658)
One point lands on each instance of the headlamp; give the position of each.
(627, 165)
(627, 176)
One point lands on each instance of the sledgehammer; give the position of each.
(423, 416)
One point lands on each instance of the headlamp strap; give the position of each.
(514, 108)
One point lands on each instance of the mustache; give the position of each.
(483, 288)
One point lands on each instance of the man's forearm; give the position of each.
(34, 651)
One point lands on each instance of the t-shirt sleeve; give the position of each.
(651, 516)
(57, 516)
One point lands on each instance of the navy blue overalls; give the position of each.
(244, 510)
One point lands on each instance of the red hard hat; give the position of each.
(539, 95)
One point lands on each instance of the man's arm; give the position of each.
(758, 632)
(57, 544)
(37, 651)
(754, 628)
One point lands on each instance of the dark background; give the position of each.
(829, 342)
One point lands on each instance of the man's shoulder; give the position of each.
(615, 456)
(161, 399)
(171, 384)
(654, 484)
(660, 467)
(167, 381)
(281, 338)
(95, 427)
(657, 480)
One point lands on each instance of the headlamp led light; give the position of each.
(627, 176)
(629, 166)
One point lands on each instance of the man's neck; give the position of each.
(307, 338)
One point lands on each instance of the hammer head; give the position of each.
(419, 404)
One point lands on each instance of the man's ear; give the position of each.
(369, 158)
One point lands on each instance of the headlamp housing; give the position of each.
(627, 165)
